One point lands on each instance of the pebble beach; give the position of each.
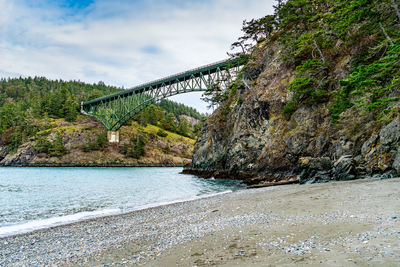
(353, 223)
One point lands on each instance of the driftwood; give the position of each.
(267, 184)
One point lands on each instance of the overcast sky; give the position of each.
(119, 42)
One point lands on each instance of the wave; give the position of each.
(34, 225)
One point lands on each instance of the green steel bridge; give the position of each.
(116, 109)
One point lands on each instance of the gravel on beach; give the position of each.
(335, 224)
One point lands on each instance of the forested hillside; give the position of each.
(318, 98)
(33, 110)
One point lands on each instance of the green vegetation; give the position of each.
(158, 116)
(316, 36)
(217, 96)
(53, 148)
(136, 147)
(27, 104)
(29, 107)
(308, 87)
(372, 87)
(179, 109)
(162, 133)
(98, 142)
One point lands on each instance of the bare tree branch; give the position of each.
(319, 51)
(236, 44)
(385, 33)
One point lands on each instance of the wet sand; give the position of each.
(354, 223)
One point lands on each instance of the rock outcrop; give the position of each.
(254, 138)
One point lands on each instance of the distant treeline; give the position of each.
(180, 109)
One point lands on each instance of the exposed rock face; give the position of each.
(192, 121)
(21, 157)
(3, 152)
(396, 162)
(254, 138)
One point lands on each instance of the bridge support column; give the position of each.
(113, 136)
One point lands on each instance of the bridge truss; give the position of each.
(117, 109)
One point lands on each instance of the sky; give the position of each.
(120, 42)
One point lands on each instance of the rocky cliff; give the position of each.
(252, 137)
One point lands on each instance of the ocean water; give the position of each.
(35, 198)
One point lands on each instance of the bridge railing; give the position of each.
(179, 74)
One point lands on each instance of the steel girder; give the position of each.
(117, 109)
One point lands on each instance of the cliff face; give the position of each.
(256, 143)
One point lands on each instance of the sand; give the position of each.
(355, 223)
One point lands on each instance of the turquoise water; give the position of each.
(34, 198)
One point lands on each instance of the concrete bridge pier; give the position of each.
(113, 136)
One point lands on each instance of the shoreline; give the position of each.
(251, 179)
(318, 224)
(148, 165)
(98, 214)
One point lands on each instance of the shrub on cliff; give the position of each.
(162, 133)
(100, 142)
(55, 148)
(136, 147)
(371, 86)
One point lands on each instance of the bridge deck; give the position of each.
(197, 72)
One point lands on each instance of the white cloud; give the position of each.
(6, 10)
(118, 42)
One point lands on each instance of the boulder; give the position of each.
(396, 162)
(315, 170)
(368, 145)
(390, 133)
(345, 168)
